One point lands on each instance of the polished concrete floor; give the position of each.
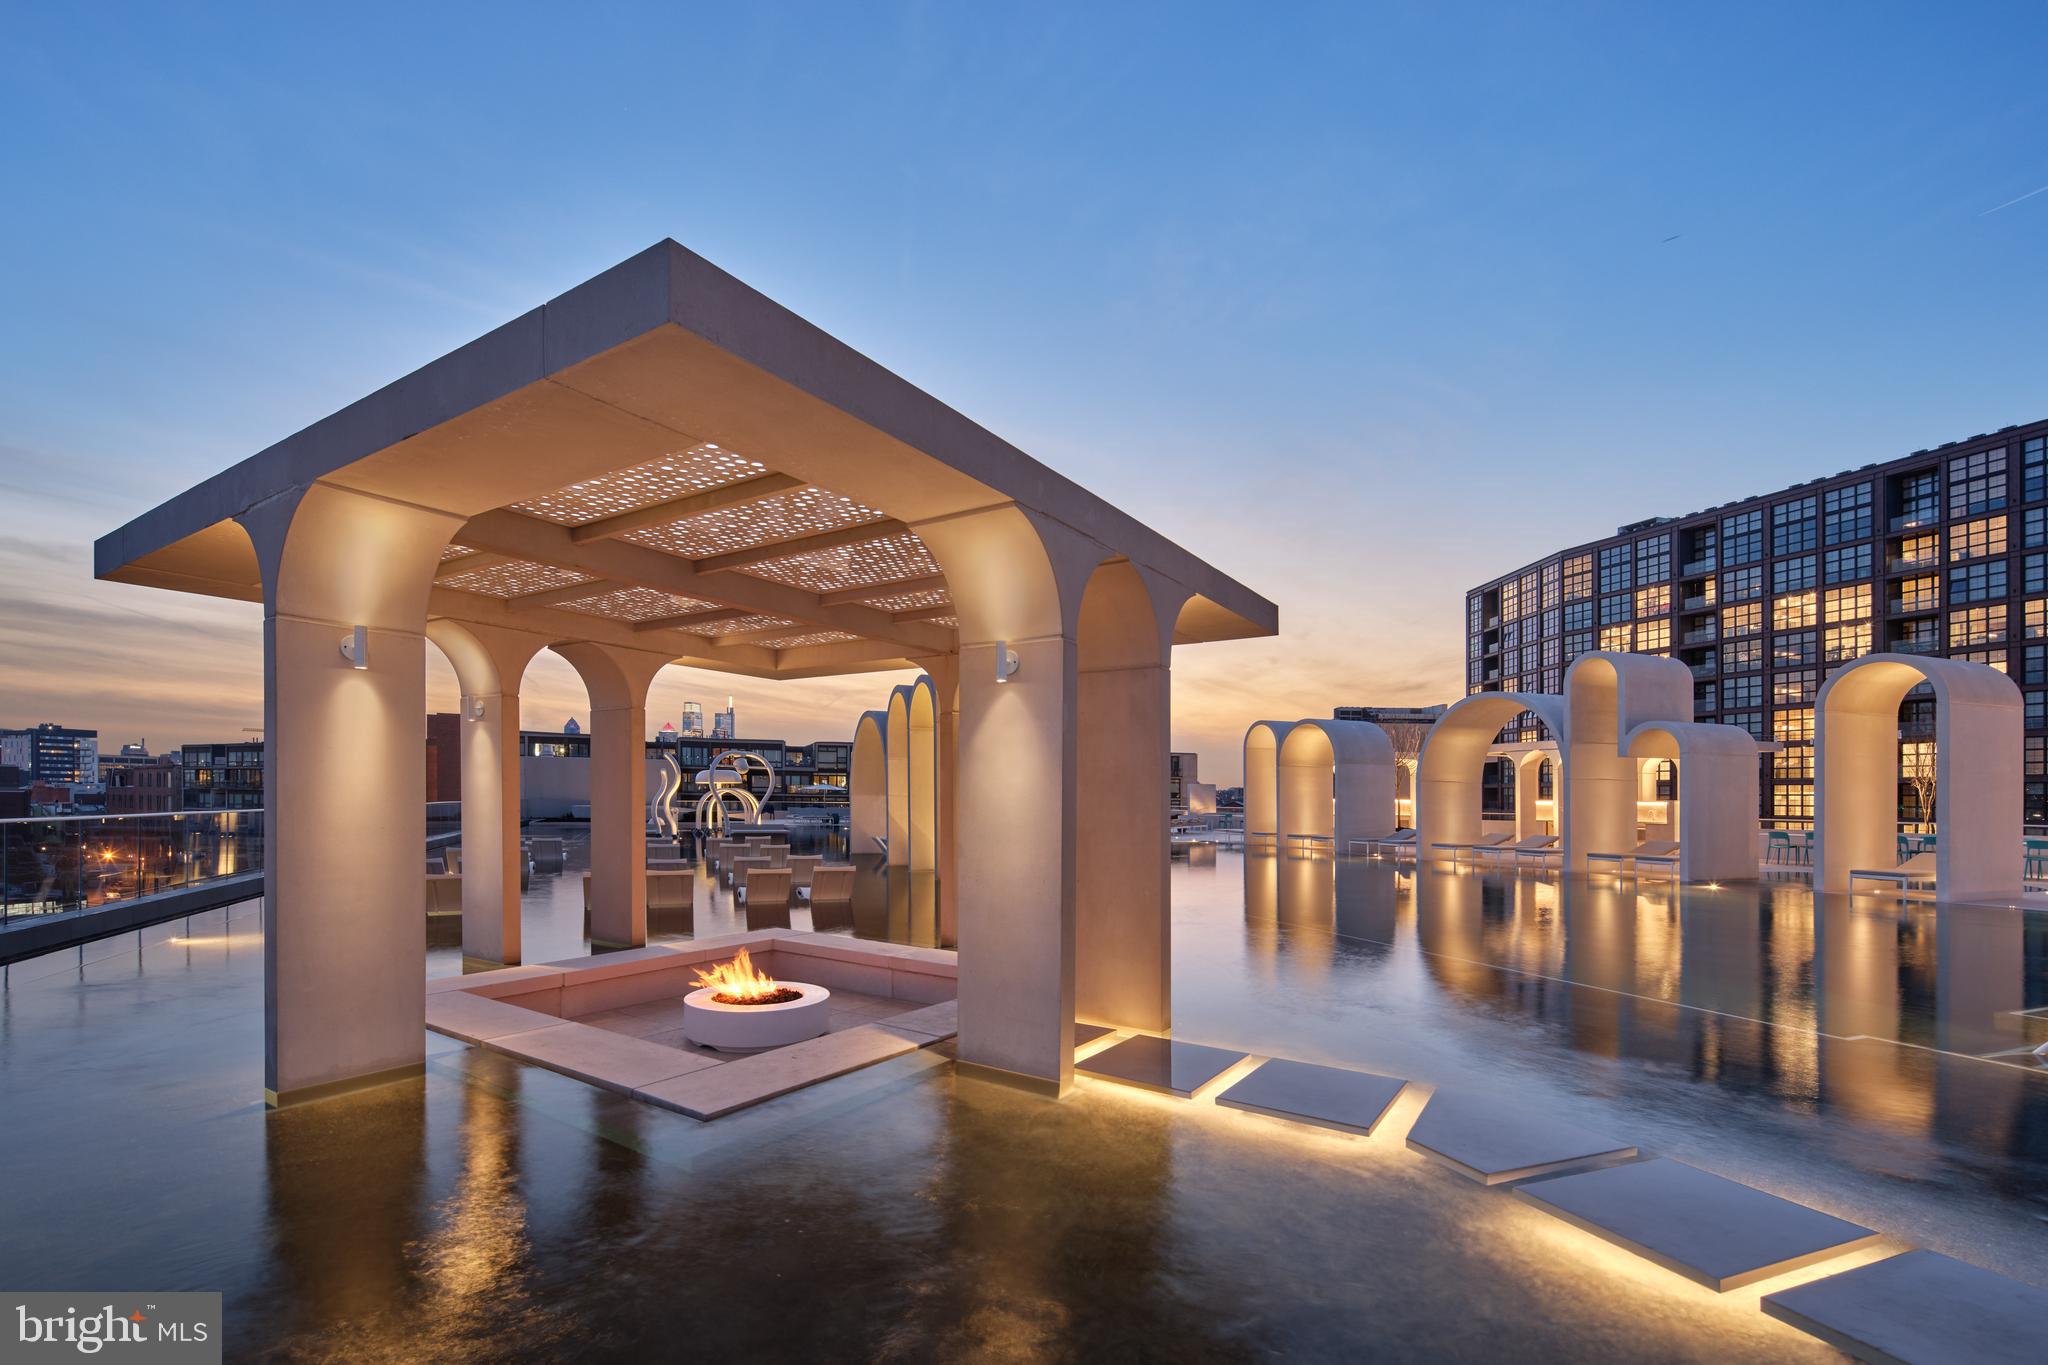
(499, 1212)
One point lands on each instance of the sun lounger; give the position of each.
(1662, 853)
(1458, 851)
(1535, 843)
(832, 884)
(1917, 870)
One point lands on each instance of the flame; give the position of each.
(738, 980)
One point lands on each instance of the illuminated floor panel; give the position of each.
(1718, 1232)
(1326, 1096)
(1922, 1308)
(1493, 1142)
(1163, 1064)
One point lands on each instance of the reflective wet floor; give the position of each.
(496, 1211)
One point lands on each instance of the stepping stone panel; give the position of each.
(1493, 1143)
(1718, 1232)
(1326, 1096)
(1923, 1308)
(1162, 1064)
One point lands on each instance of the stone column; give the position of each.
(344, 913)
(1123, 933)
(617, 680)
(1016, 578)
(489, 664)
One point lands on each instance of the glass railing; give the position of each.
(50, 864)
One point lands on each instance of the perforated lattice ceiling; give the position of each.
(676, 475)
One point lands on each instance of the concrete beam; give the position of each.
(894, 587)
(544, 542)
(797, 545)
(675, 509)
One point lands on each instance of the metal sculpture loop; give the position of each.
(729, 780)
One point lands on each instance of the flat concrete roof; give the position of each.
(667, 458)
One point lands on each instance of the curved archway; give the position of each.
(1336, 782)
(1606, 696)
(867, 783)
(1447, 771)
(922, 811)
(1979, 723)
(1717, 774)
(896, 749)
(1262, 778)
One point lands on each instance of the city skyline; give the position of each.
(1363, 289)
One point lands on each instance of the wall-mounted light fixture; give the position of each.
(356, 648)
(1006, 661)
(473, 707)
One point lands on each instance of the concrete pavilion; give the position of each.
(664, 466)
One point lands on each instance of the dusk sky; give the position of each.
(1363, 304)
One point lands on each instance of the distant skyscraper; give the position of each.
(725, 725)
(53, 753)
(693, 718)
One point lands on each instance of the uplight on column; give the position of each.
(356, 648)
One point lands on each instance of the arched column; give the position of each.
(897, 750)
(868, 783)
(489, 663)
(1336, 781)
(922, 722)
(1606, 695)
(1979, 721)
(1717, 775)
(1447, 773)
(617, 680)
(944, 673)
(1124, 923)
(1016, 578)
(344, 943)
(1262, 778)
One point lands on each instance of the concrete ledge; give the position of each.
(1921, 1307)
(614, 1061)
(729, 1086)
(474, 1019)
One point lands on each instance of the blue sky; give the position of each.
(1363, 303)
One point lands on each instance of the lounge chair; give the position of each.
(671, 889)
(444, 893)
(737, 870)
(1655, 853)
(1379, 843)
(764, 889)
(1458, 851)
(1537, 844)
(832, 884)
(802, 865)
(547, 853)
(1917, 870)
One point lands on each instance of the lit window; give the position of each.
(1975, 539)
(1848, 604)
(2037, 618)
(1793, 726)
(1919, 594)
(1976, 626)
(1847, 642)
(1578, 577)
(1653, 601)
(1652, 636)
(1743, 620)
(1621, 638)
(1793, 611)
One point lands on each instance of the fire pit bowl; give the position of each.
(710, 1022)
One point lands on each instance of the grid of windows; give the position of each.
(1847, 604)
(1653, 601)
(1975, 539)
(1790, 575)
(1976, 626)
(1742, 537)
(1847, 563)
(1740, 585)
(1620, 638)
(1847, 513)
(1619, 607)
(1615, 569)
(1793, 526)
(1980, 582)
(1846, 642)
(1653, 559)
(1743, 620)
(1793, 648)
(1794, 610)
(2034, 469)
(1740, 656)
(1578, 577)
(1976, 482)
(1552, 582)
(1653, 636)
(1918, 594)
